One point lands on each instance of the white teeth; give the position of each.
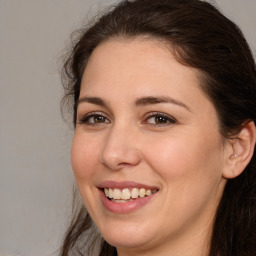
(148, 192)
(106, 191)
(142, 192)
(117, 193)
(135, 193)
(110, 193)
(120, 201)
(127, 194)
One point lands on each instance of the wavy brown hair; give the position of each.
(202, 38)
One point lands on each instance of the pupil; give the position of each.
(160, 120)
(99, 119)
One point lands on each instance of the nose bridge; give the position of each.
(120, 147)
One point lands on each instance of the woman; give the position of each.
(164, 101)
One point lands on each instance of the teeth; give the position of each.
(117, 193)
(120, 201)
(148, 192)
(135, 193)
(127, 194)
(110, 193)
(106, 191)
(142, 192)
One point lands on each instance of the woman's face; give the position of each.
(148, 135)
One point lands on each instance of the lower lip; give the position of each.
(124, 207)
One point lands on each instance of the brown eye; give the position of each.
(97, 119)
(94, 119)
(160, 119)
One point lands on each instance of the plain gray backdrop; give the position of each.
(35, 173)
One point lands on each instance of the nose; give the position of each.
(120, 148)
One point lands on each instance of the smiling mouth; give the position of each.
(126, 194)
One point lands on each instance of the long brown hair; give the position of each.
(200, 37)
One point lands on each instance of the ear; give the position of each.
(240, 151)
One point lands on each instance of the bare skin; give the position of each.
(142, 117)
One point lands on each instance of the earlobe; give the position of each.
(240, 152)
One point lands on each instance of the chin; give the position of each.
(127, 237)
(127, 242)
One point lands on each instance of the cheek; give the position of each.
(83, 157)
(84, 160)
(187, 160)
(191, 173)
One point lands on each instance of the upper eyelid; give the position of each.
(81, 117)
(157, 113)
(92, 113)
(93, 102)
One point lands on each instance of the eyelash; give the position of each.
(85, 119)
(167, 119)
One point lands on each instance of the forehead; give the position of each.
(140, 61)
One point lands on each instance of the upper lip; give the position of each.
(124, 184)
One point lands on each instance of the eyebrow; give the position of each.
(92, 100)
(143, 101)
(161, 99)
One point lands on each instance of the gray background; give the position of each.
(35, 174)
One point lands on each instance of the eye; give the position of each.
(94, 119)
(159, 119)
